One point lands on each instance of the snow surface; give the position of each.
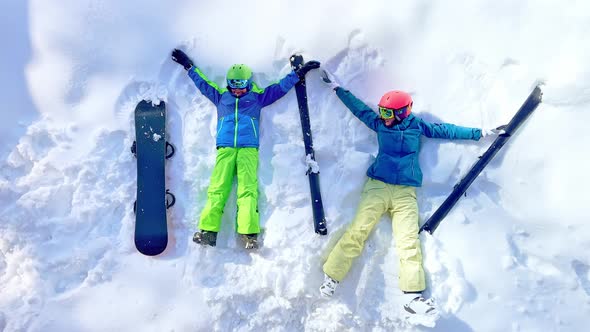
(512, 256)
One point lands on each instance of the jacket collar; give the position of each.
(404, 124)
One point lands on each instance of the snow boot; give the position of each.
(250, 241)
(328, 286)
(205, 238)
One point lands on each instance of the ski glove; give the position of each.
(492, 131)
(181, 58)
(309, 65)
(328, 79)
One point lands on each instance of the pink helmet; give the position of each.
(397, 100)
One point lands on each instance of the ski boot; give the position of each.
(205, 238)
(250, 241)
(328, 286)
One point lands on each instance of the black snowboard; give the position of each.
(150, 148)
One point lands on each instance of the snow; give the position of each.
(512, 256)
(312, 165)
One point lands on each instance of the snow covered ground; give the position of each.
(512, 256)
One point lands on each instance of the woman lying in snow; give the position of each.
(391, 187)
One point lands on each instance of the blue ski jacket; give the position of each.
(399, 145)
(238, 117)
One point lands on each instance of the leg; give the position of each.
(247, 168)
(219, 189)
(405, 231)
(374, 202)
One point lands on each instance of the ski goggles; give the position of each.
(390, 113)
(238, 84)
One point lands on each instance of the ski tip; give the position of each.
(296, 60)
(537, 93)
(322, 231)
(425, 228)
(535, 97)
(539, 83)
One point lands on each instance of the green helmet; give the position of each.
(239, 72)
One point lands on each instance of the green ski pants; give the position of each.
(377, 198)
(228, 163)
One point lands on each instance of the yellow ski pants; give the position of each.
(230, 162)
(377, 198)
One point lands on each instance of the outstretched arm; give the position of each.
(277, 90)
(355, 105)
(207, 88)
(449, 131)
(358, 108)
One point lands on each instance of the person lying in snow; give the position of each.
(238, 114)
(391, 187)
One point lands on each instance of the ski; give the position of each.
(529, 106)
(312, 172)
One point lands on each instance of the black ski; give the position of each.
(523, 113)
(314, 180)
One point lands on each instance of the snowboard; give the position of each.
(529, 106)
(151, 151)
(314, 176)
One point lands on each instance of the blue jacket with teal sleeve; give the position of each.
(238, 118)
(399, 145)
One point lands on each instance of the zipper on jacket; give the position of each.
(254, 127)
(401, 142)
(220, 126)
(413, 159)
(236, 127)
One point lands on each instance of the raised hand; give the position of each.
(181, 58)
